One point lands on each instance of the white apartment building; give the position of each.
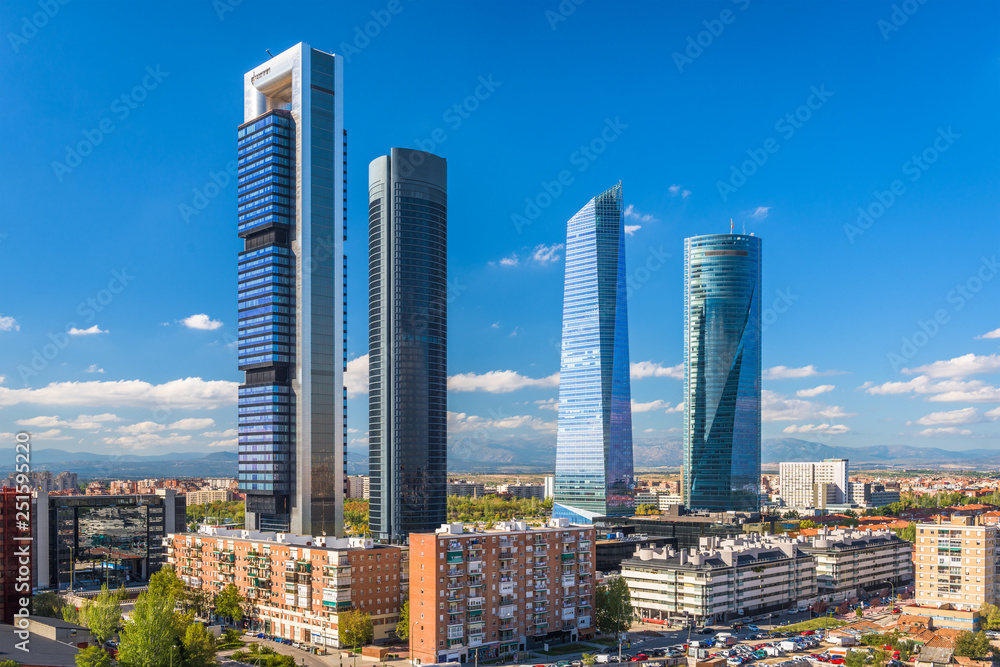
(956, 563)
(723, 579)
(851, 562)
(814, 484)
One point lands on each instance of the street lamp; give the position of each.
(412, 625)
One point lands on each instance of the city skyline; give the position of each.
(881, 320)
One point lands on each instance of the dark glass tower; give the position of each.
(407, 343)
(722, 372)
(291, 211)
(594, 475)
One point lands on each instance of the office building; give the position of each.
(815, 485)
(292, 203)
(407, 343)
(867, 494)
(594, 474)
(722, 372)
(481, 595)
(357, 485)
(956, 563)
(296, 586)
(721, 580)
(82, 542)
(851, 563)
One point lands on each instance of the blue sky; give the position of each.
(787, 117)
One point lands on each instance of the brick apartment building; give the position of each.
(499, 591)
(956, 563)
(297, 585)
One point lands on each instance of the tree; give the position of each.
(909, 533)
(198, 601)
(614, 607)
(356, 628)
(859, 612)
(148, 638)
(93, 656)
(855, 659)
(104, 614)
(47, 604)
(229, 603)
(807, 523)
(647, 508)
(588, 659)
(165, 582)
(973, 645)
(403, 627)
(791, 514)
(71, 614)
(198, 646)
(992, 615)
(9, 663)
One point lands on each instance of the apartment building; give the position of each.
(520, 490)
(464, 488)
(209, 496)
(297, 585)
(867, 494)
(956, 563)
(484, 594)
(357, 486)
(721, 580)
(814, 484)
(851, 562)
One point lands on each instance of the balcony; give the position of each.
(454, 557)
(506, 555)
(506, 612)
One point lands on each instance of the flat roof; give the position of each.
(41, 651)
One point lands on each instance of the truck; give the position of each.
(602, 658)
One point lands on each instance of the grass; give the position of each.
(567, 649)
(605, 641)
(813, 624)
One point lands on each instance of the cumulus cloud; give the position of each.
(630, 230)
(815, 391)
(459, 422)
(192, 424)
(945, 430)
(499, 382)
(675, 190)
(93, 368)
(548, 404)
(648, 369)
(228, 433)
(201, 321)
(776, 407)
(356, 376)
(188, 393)
(91, 331)
(632, 214)
(82, 422)
(8, 323)
(510, 260)
(788, 373)
(665, 406)
(547, 254)
(938, 391)
(760, 212)
(232, 442)
(951, 417)
(989, 334)
(822, 429)
(148, 439)
(959, 367)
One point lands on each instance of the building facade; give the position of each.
(210, 496)
(519, 490)
(594, 473)
(296, 586)
(292, 201)
(722, 580)
(956, 563)
(466, 489)
(722, 383)
(16, 551)
(815, 484)
(407, 343)
(487, 594)
(853, 562)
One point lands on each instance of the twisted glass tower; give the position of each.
(291, 211)
(722, 372)
(594, 475)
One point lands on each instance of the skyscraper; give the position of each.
(594, 475)
(407, 343)
(722, 372)
(292, 210)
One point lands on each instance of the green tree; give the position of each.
(165, 582)
(791, 514)
(93, 656)
(992, 615)
(356, 628)
(647, 508)
(613, 613)
(197, 600)
(973, 645)
(588, 659)
(229, 603)
(47, 604)
(855, 659)
(807, 523)
(104, 614)
(198, 646)
(148, 638)
(403, 626)
(9, 663)
(909, 533)
(71, 614)
(859, 612)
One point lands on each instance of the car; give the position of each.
(837, 660)
(562, 663)
(706, 631)
(575, 663)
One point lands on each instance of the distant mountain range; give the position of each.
(512, 454)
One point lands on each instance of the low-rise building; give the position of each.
(851, 562)
(464, 488)
(206, 496)
(721, 580)
(296, 585)
(483, 594)
(523, 490)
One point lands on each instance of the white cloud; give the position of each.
(665, 406)
(192, 424)
(459, 422)
(356, 376)
(632, 214)
(946, 430)
(942, 391)
(141, 427)
(87, 332)
(498, 382)
(989, 334)
(82, 422)
(647, 369)
(8, 323)
(951, 417)
(93, 369)
(547, 254)
(824, 429)
(495, 325)
(510, 260)
(959, 367)
(677, 190)
(188, 393)
(815, 391)
(776, 407)
(630, 230)
(760, 212)
(993, 414)
(548, 404)
(787, 372)
(51, 434)
(515, 331)
(144, 440)
(228, 433)
(201, 321)
(232, 442)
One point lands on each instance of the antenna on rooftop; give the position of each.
(268, 52)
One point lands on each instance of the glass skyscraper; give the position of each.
(407, 343)
(594, 475)
(292, 343)
(722, 372)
